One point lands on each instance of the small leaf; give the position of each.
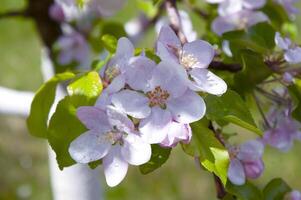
(89, 85)
(275, 189)
(231, 108)
(109, 42)
(213, 155)
(64, 127)
(244, 192)
(159, 157)
(41, 104)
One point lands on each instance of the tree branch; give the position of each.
(175, 20)
(226, 67)
(14, 14)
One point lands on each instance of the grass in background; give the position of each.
(24, 161)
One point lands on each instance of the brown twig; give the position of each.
(175, 20)
(226, 67)
(14, 14)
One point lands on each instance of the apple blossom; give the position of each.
(73, 48)
(284, 130)
(229, 7)
(163, 98)
(245, 162)
(56, 12)
(292, 52)
(194, 57)
(111, 137)
(237, 21)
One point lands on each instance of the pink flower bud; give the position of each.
(56, 13)
(253, 169)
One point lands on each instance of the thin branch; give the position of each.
(175, 20)
(220, 189)
(14, 14)
(261, 111)
(225, 67)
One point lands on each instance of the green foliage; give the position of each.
(41, 104)
(159, 157)
(89, 85)
(248, 191)
(276, 13)
(64, 127)
(110, 43)
(258, 38)
(295, 92)
(230, 108)
(213, 155)
(275, 189)
(254, 72)
(150, 8)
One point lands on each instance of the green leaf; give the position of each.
(213, 155)
(88, 84)
(159, 157)
(41, 104)
(258, 38)
(231, 108)
(276, 13)
(295, 93)
(109, 42)
(275, 189)
(254, 71)
(64, 127)
(244, 192)
(148, 7)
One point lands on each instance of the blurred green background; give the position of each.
(23, 159)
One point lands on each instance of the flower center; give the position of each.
(233, 151)
(111, 73)
(157, 97)
(114, 137)
(243, 23)
(188, 60)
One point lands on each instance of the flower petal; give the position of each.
(254, 168)
(169, 38)
(139, 72)
(230, 7)
(93, 118)
(251, 151)
(115, 167)
(281, 42)
(154, 128)
(132, 103)
(119, 120)
(125, 48)
(222, 25)
(253, 4)
(88, 147)
(188, 108)
(199, 50)
(136, 151)
(177, 132)
(206, 81)
(236, 172)
(170, 76)
(293, 55)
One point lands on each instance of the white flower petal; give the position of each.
(119, 120)
(93, 118)
(115, 167)
(200, 51)
(188, 108)
(236, 172)
(206, 81)
(293, 55)
(251, 150)
(136, 151)
(88, 147)
(177, 132)
(132, 103)
(155, 128)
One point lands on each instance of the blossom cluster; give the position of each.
(146, 103)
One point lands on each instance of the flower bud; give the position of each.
(56, 13)
(253, 169)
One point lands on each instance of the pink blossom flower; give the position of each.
(289, 6)
(194, 57)
(237, 21)
(245, 162)
(292, 52)
(111, 137)
(56, 12)
(162, 99)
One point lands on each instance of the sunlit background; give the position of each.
(23, 158)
